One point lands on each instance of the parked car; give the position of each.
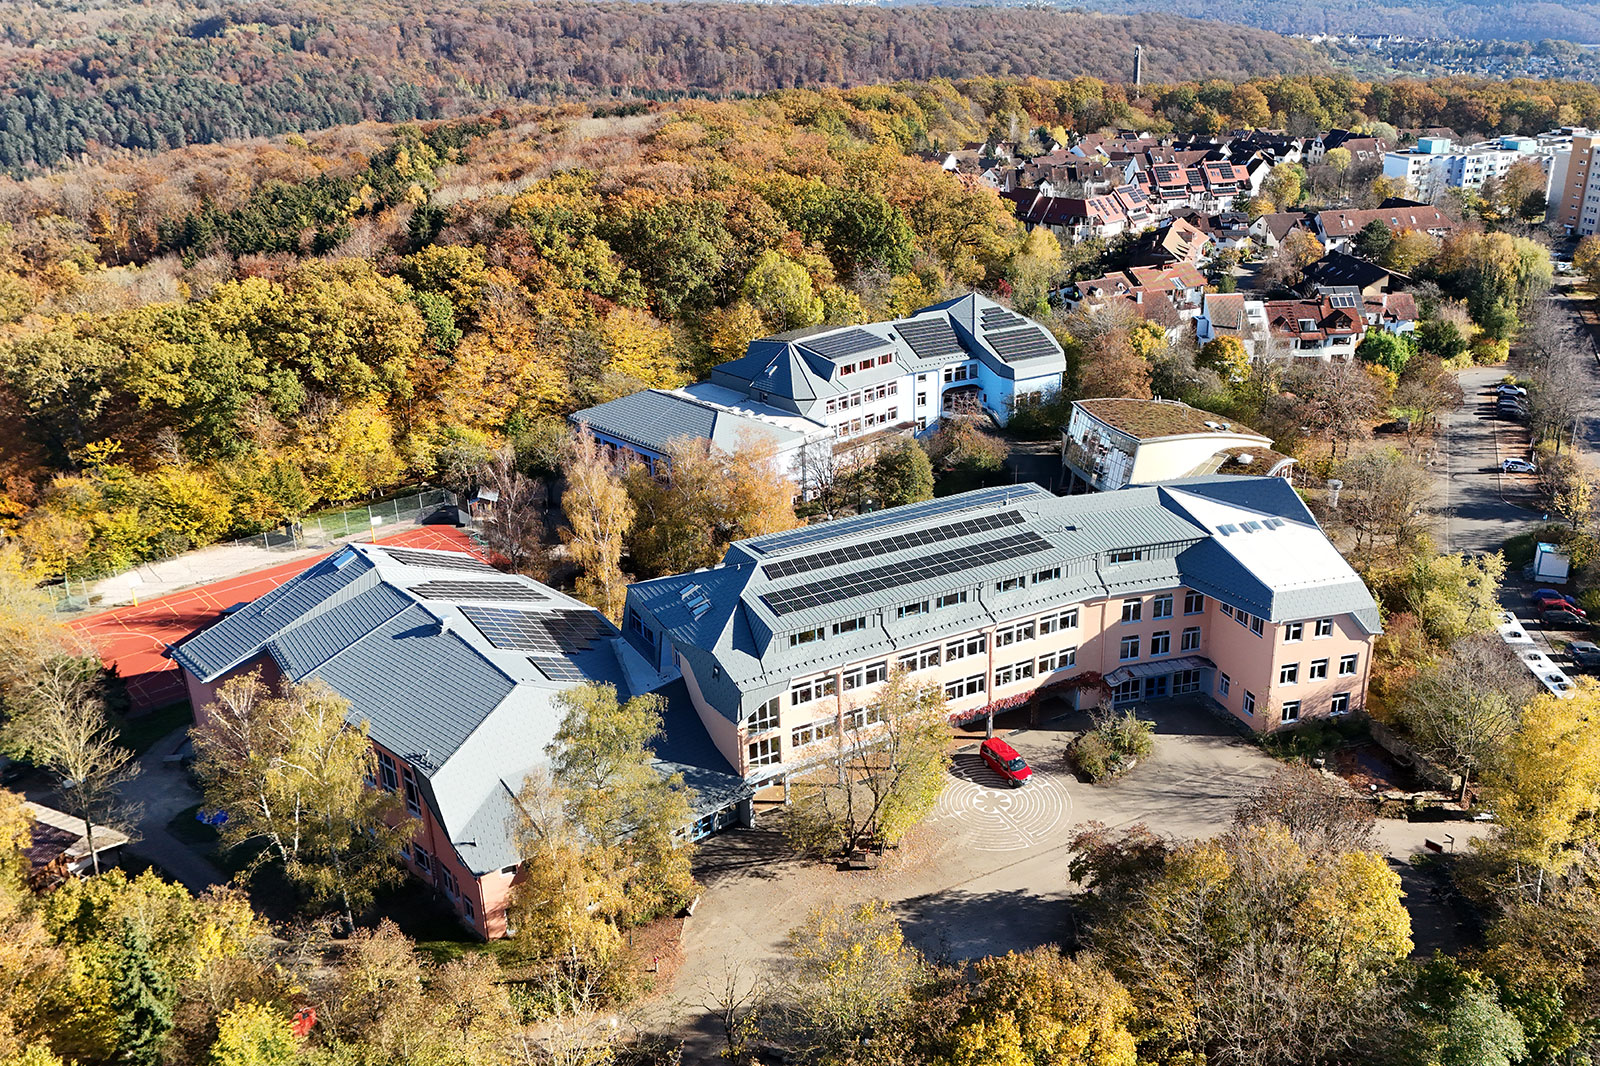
(1565, 619)
(1505, 388)
(1552, 594)
(1517, 466)
(1003, 759)
(1511, 402)
(1511, 413)
(1584, 652)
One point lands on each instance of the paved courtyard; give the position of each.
(988, 872)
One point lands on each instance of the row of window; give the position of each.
(846, 369)
(1290, 712)
(868, 421)
(1295, 631)
(1161, 643)
(1161, 607)
(1254, 623)
(1316, 670)
(391, 779)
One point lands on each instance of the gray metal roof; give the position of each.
(739, 646)
(385, 631)
(653, 418)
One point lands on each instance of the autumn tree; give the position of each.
(63, 727)
(292, 771)
(1543, 789)
(700, 498)
(1227, 357)
(1101, 356)
(599, 517)
(884, 770)
(1249, 948)
(901, 474)
(849, 975)
(1337, 399)
(1322, 813)
(514, 528)
(1456, 596)
(599, 833)
(1383, 499)
(1464, 707)
(1032, 1008)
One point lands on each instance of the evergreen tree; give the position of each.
(142, 995)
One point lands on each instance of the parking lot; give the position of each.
(988, 872)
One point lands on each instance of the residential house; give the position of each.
(1111, 443)
(1233, 314)
(1271, 230)
(456, 669)
(1222, 589)
(1329, 327)
(1340, 269)
(1177, 241)
(1338, 229)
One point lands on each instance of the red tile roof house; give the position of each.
(1337, 230)
(455, 668)
(1324, 329)
(1077, 219)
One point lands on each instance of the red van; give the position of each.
(1003, 759)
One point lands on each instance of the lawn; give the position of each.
(140, 732)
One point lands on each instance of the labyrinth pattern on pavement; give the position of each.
(996, 817)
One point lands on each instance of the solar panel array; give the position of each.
(553, 633)
(1000, 318)
(839, 345)
(774, 543)
(1021, 344)
(930, 338)
(441, 560)
(915, 538)
(556, 668)
(478, 590)
(901, 574)
(1341, 299)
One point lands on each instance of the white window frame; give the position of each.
(1189, 640)
(1349, 665)
(1128, 644)
(1317, 670)
(1289, 674)
(1161, 607)
(1290, 711)
(1339, 704)
(1132, 611)
(1161, 642)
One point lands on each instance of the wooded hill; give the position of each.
(161, 74)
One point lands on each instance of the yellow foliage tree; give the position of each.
(641, 351)
(599, 516)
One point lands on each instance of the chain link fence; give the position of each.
(314, 532)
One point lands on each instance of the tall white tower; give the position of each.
(1138, 64)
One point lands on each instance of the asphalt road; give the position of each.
(1480, 506)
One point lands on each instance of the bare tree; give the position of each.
(65, 730)
(1385, 497)
(1336, 399)
(514, 528)
(1321, 812)
(1463, 708)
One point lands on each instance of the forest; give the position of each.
(160, 74)
(216, 340)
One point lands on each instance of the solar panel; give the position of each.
(556, 668)
(839, 345)
(914, 538)
(440, 560)
(930, 338)
(1029, 343)
(902, 574)
(774, 543)
(477, 590)
(548, 632)
(1000, 318)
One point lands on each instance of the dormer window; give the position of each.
(805, 636)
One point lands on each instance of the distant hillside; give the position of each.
(1488, 20)
(75, 76)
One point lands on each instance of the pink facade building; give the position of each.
(454, 667)
(1221, 589)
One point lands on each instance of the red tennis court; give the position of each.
(132, 638)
